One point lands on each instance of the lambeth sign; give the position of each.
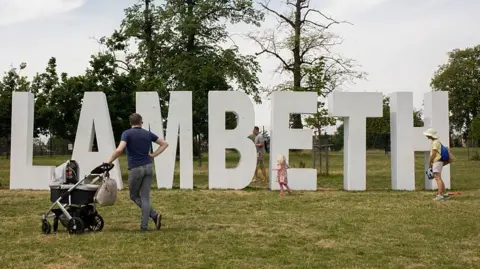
(354, 107)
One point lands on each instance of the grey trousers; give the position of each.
(139, 181)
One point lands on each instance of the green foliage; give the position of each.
(320, 119)
(378, 129)
(12, 81)
(179, 48)
(58, 102)
(460, 77)
(338, 138)
(475, 128)
(380, 125)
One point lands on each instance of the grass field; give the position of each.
(255, 228)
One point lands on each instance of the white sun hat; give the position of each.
(431, 132)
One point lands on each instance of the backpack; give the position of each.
(445, 155)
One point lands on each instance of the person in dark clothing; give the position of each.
(137, 142)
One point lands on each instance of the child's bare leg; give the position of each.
(288, 188)
(281, 188)
(440, 184)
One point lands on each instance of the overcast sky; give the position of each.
(399, 43)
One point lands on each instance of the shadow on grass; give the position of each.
(175, 229)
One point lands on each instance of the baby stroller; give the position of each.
(73, 200)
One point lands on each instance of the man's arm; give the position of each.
(162, 146)
(118, 152)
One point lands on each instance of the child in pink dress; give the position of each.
(282, 178)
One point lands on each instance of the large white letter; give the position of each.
(355, 107)
(219, 139)
(95, 120)
(402, 136)
(179, 118)
(23, 174)
(437, 116)
(407, 139)
(282, 138)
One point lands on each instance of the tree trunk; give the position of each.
(148, 29)
(190, 31)
(190, 47)
(297, 65)
(199, 148)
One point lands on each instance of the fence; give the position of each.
(40, 148)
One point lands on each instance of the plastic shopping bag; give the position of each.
(107, 193)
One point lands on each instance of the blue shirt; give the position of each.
(139, 142)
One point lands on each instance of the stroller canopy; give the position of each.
(66, 173)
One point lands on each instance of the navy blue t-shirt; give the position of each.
(139, 142)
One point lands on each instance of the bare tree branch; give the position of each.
(312, 46)
(231, 38)
(332, 21)
(303, 3)
(265, 6)
(319, 25)
(127, 68)
(123, 68)
(312, 61)
(291, 3)
(272, 51)
(339, 62)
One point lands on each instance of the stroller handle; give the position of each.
(104, 167)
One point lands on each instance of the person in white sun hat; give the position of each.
(439, 157)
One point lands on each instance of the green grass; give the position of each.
(254, 228)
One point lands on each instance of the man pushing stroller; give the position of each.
(138, 142)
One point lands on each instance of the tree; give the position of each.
(59, 99)
(119, 88)
(338, 138)
(44, 86)
(475, 137)
(12, 81)
(302, 44)
(475, 129)
(179, 47)
(460, 77)
(320, 119)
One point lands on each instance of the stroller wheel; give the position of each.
(96, 223)
(75, 226)
(46, 227)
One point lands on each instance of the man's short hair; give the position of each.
(256, 128)
(135, 119)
